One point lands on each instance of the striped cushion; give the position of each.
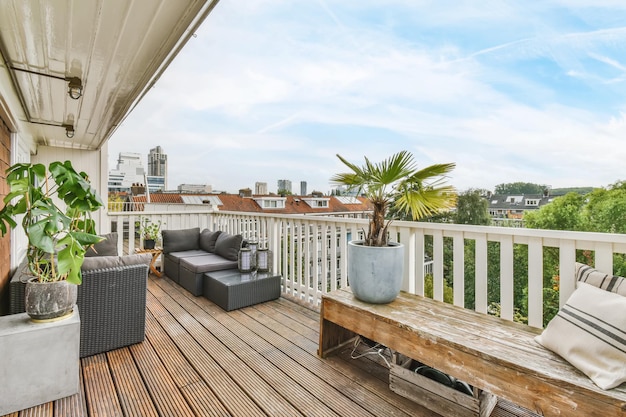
(585, 273)
(590, 333)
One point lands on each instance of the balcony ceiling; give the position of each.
(118, 48)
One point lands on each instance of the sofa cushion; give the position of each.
(106, 247)
(107, 262)
(227, 246)
(206, 263)
(208, 239)
(180, 240)
(592, 276)
(590, 333)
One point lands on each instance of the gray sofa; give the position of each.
(189, 253)
(111, 300)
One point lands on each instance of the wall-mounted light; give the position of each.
(69, 131)
(75, 87)
(74, 84)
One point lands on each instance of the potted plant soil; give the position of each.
(376, 265)
(57, 238)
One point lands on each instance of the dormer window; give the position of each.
(317, 202)
(271, 202)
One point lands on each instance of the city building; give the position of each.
(284, 185)
(260, 188)
(128, 172)
(302, 187)
(195, 188)
(157, 162)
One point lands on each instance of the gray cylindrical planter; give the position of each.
(49, 300)
(375, 273)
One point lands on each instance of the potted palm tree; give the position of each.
(376, 265)
(57, 239)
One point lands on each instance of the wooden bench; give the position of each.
(489, 353)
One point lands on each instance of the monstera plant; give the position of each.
(57, 237)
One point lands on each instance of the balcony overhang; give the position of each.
(117, 49)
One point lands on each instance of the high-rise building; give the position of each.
(260, 188)
(157, 164)
(284, 185)
(302, 187)
(129, 171)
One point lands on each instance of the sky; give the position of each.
(530, 91)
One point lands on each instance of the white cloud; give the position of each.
(274, 89)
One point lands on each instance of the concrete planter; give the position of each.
(375, 273)
(49, 300)
(40, 361)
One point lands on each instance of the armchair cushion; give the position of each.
(180, 240)
(106, 247)
(106, 262)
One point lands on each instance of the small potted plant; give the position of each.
(57, 238)
(151, 232)
(375, 265)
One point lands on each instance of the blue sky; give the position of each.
(531, 91)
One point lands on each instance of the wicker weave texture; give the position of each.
(112, 305)
(246, 293)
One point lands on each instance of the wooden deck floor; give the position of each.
(198, 360)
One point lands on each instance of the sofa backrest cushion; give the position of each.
(107, 262)
(106, 247)
(227, 246)
(208, 239)
(180, 240)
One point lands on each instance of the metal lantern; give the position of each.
(253, 246)
(244, 260)
(263, 260)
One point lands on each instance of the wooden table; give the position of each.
(487, 352)
(155, 255)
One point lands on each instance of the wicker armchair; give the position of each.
(112, 307)
(111, 303)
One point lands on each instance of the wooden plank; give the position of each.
(329, 391)
(134, 397)
(203, 401)
(73, 406)
(225, 388)
(260, 390)
(437, 334)
(99, 388)
(166, 397)
(177, 365)
(43, 410)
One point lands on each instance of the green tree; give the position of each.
(520, 188)
(563, 213)
(472, 208)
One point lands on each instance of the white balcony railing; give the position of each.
(308, 253)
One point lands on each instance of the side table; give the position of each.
(155, 255)
(231, 289)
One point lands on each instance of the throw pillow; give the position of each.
(589, 275)
(180, 240)
(208, 239)
(227, 246)
(106, 247)
(590, 333)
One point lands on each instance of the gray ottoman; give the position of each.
(192, 270)
(232, 290)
